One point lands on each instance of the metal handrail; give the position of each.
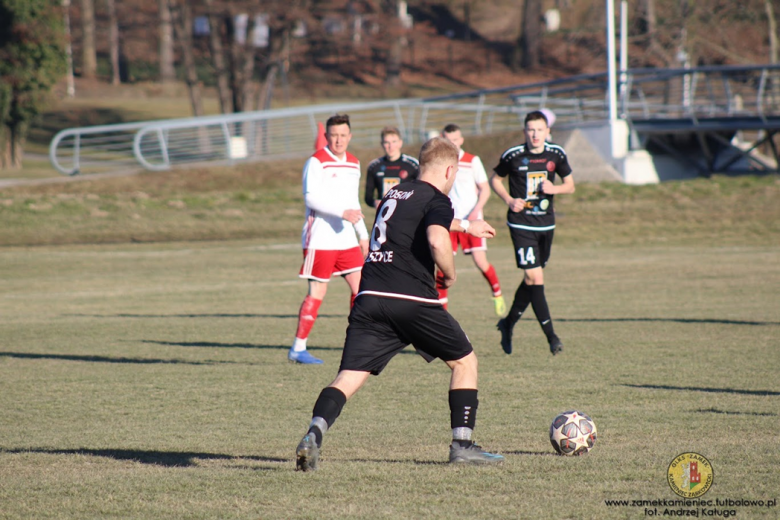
(646, 94)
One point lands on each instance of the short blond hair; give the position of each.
(438, 151)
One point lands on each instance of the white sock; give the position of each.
(299, 345)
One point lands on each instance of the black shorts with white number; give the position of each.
(532, 248)
(379, 328)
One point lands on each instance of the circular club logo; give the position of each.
(690, 475)
(550, 166)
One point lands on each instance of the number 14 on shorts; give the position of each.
(526, 256)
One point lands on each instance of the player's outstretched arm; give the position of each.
(476, 228)
(441, 250)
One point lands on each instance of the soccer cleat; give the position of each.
(303, 357)
(307, 454)
(505, 329)
(472, 454)
(556, 345)
(499, 305)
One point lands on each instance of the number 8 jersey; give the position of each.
(399, 263)
(527, 171)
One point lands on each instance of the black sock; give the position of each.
(463, 408)
(328, 407)
(520, 303)
(539, 303)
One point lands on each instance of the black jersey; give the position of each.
(383, 174)
(399, 263)
(526, 172)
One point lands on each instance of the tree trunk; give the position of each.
(182, 24)
(395, 51)
(113, 39)
(773, 50)
(88, 50)
(12, 148)
(531, 38)
(218, 58)
(167, 70)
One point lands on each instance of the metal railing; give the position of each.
(644, 94)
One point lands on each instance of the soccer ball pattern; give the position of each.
(572, 433)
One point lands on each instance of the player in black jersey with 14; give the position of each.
(398, 305)
(531, 168)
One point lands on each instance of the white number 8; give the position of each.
(379, 233)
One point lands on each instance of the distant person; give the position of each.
(392, 168)
(331, 184)
(550, 115)
(397, 305)
(531, 168)
(469, 195)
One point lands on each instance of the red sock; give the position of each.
(352, 301)
(440, 288)
(306, 316)
(492, 278)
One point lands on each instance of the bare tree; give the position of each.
(395, 32)
(167, 70)
(181, 17)
(530, 42)
(113, 40)
(88, 49)
(217, 25)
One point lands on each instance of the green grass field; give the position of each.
(150, 380)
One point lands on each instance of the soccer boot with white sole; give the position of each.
(472, 454)
(307, 454)
(303, 357)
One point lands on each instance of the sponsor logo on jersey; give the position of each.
(401, 195)
(385, 257)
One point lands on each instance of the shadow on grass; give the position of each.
(763, 393)
(104, 359)
(727, 412)
(671, 320)
(416, 462)
(535, 453)
(171, 459)
(275, 316)
(212, 344)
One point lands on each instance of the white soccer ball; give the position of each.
(572, 433)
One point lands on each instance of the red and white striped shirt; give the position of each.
(330, 186)
(464, 194)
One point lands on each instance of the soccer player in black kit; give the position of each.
(531, 168)
(398, 305)
(392, 168)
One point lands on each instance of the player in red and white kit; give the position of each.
(469, 195)
(331, 180)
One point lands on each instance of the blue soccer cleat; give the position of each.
(472, 454)
(303, 357)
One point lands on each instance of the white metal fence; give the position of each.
(696, 93)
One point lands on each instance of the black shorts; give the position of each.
(532, 248)
(381, 327)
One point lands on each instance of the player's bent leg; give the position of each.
(463, 417)
(326, 410)
(350, 381)
(464, 372)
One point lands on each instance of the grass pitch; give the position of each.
(151, 381)
(143, 369)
